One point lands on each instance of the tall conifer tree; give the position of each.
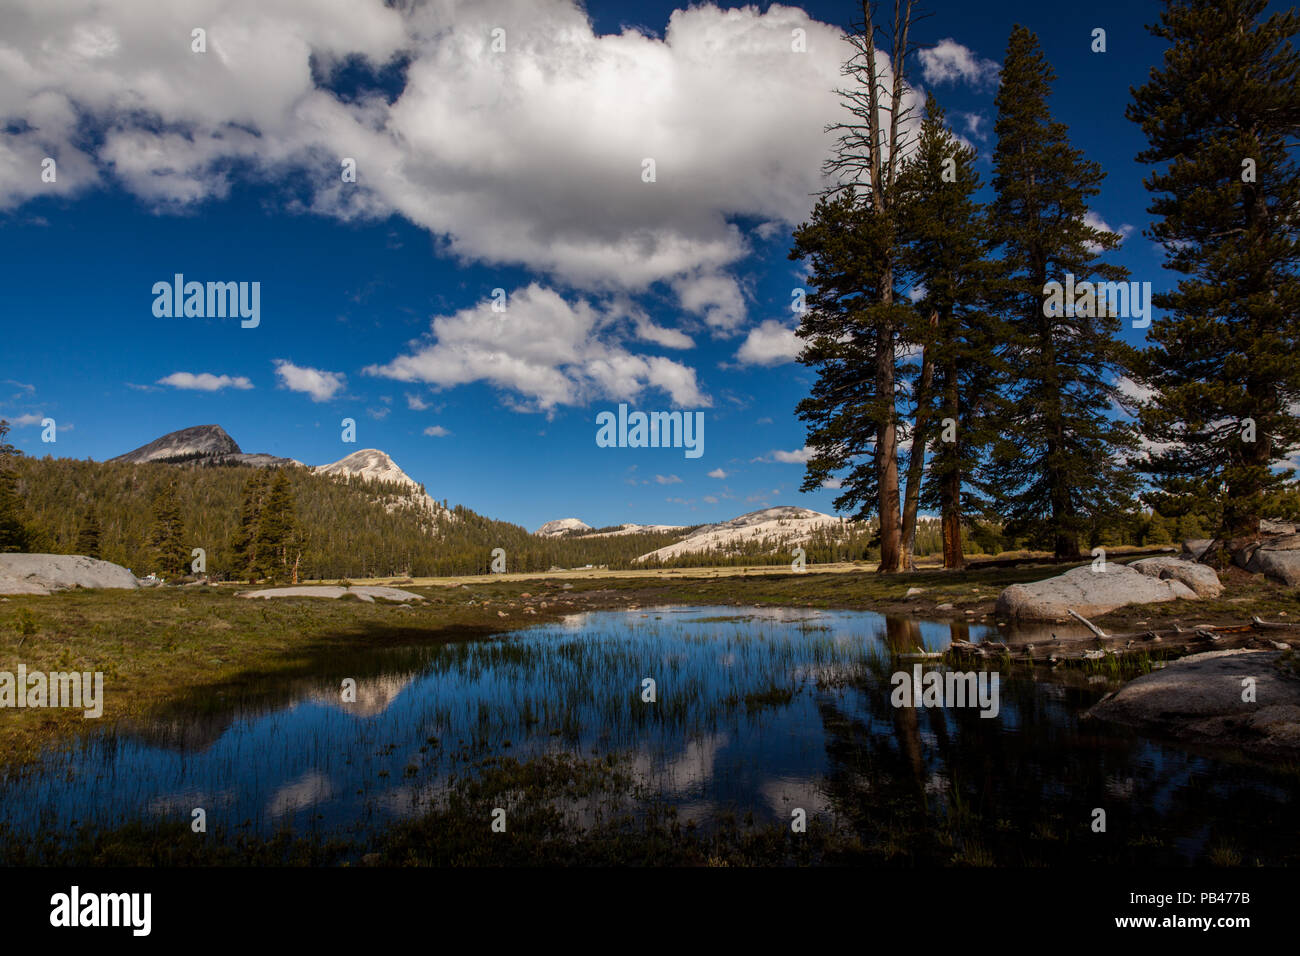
(943, 231)
(89, 533)
(1059, 464)
(852, 243)
(243, 543)
(1222, 117)
(14, 534)
(277, 529)
(167, 533)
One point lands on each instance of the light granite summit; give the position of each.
(47, 573)
(1088, 592)
(364, 592)
(1204, 698)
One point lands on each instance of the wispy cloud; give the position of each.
(23, 421)
(797, 457)
(205, 381)
(950, 62)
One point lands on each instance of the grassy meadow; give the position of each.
(156, 645)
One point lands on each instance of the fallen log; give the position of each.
(1079, 650)
(1283, 624)
(1087, 623)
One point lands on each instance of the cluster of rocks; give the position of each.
(1276, 554)
(1094, 590)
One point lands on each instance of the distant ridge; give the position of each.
(200, 444)
(195, 440)
(768, 530)
(371, 464)
(784, 525)
(562, 526)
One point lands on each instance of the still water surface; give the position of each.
(758, 711)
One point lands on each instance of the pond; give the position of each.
(759, 713)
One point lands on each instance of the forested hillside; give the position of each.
(348, 528)
(355, 529)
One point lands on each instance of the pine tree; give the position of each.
(243, 541)
(88, 534)
(854, 322)
(1222, 116)
(167, 533)
(847, 416)
(1058, 466)
(14, 535)
(1158, 530)
(277, 529)
(943, 230)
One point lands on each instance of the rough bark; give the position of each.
(921, 428)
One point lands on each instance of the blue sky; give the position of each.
(516, 169)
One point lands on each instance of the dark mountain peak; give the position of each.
(194, 442)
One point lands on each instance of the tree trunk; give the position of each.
(1065, 543)
(916, 457)
(887, 450)
(950, 486)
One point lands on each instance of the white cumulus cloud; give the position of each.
(770, 343)
(545, 351)
(530, 156)
(320, 385)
